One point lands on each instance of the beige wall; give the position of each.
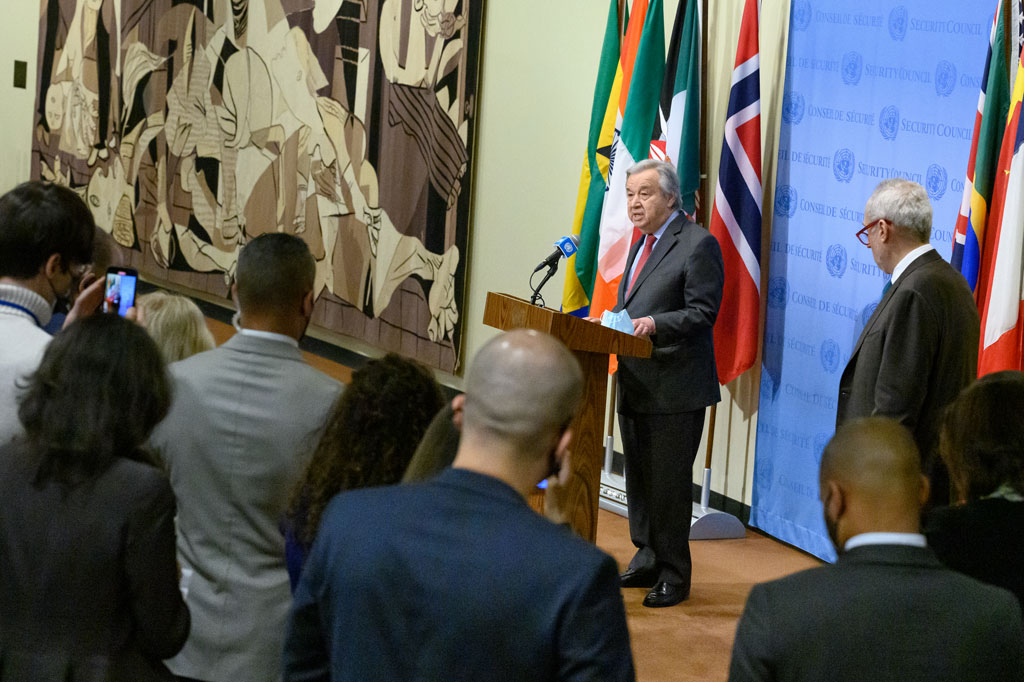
(18, 40)
(537, 79)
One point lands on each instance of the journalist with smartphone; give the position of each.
(46, 248)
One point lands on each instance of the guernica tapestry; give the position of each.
(192, 126)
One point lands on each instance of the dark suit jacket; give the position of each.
(882, 612)
(983, 538)
(453, 579)
(88, 582)
(916, 353)
(680, 287)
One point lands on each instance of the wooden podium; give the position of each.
(591, 344)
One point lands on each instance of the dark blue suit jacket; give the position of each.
(453, 579)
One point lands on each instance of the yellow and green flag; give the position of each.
(579, 278)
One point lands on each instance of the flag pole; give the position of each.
(706, 523)
(705, 209)
(609, 440)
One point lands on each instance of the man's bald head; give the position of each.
(523, 388)
(875, 463)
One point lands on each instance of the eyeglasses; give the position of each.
(862, 236)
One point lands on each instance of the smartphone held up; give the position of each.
(119, 290)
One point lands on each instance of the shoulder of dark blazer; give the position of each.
(686, 231)
(858, 558)
(931, 264)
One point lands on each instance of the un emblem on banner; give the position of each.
(835, 260)
(935, 181)
(868, 311)
(764, 472)
(785, 201)
(793, 108)
(945, 78)
(898, 20)
(853, 63)
(842, 165)
(889, 122)
(801, 15)
(778, 294)
(829, 353)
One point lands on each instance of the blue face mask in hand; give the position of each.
(619, 321)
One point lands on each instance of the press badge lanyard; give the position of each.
(24, 310)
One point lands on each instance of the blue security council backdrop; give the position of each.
(873, 90)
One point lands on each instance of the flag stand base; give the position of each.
(711, 524)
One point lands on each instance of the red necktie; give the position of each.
(641, 261)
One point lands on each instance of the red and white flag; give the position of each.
(1000, 303)
(736, 214)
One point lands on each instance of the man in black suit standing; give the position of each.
(887, 610)
(919, 349)
(671, 289)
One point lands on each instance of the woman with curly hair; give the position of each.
(370, 437)
(88, 578)
(982, 444)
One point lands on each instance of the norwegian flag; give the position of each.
(736, 214)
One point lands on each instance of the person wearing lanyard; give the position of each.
(46, 248)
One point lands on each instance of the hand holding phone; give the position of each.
(119, 290)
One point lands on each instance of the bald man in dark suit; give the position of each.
(887, 610)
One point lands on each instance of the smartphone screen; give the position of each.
(119, 290)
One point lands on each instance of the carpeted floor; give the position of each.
(692, 641)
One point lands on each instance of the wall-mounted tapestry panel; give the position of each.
(192, 126)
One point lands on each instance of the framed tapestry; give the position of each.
(192, 126)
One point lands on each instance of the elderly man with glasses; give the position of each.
(920, 346)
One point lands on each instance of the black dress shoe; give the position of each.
(666, 594)
(638, 577)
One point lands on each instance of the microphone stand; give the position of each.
(536, 290)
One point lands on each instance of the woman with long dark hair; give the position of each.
(981, 442)
(370, 438)
(88, 579)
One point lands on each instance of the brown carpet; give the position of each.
(693, 641)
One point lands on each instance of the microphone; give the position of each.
(566, 246)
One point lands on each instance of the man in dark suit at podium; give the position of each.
(456, 578)
(671, 289)
(919, 349)
(887, 610)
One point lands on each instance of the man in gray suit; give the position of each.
(919, 349)
(243, 424)
(671, 288)
(887, 610)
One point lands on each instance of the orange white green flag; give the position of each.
(639, 79)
